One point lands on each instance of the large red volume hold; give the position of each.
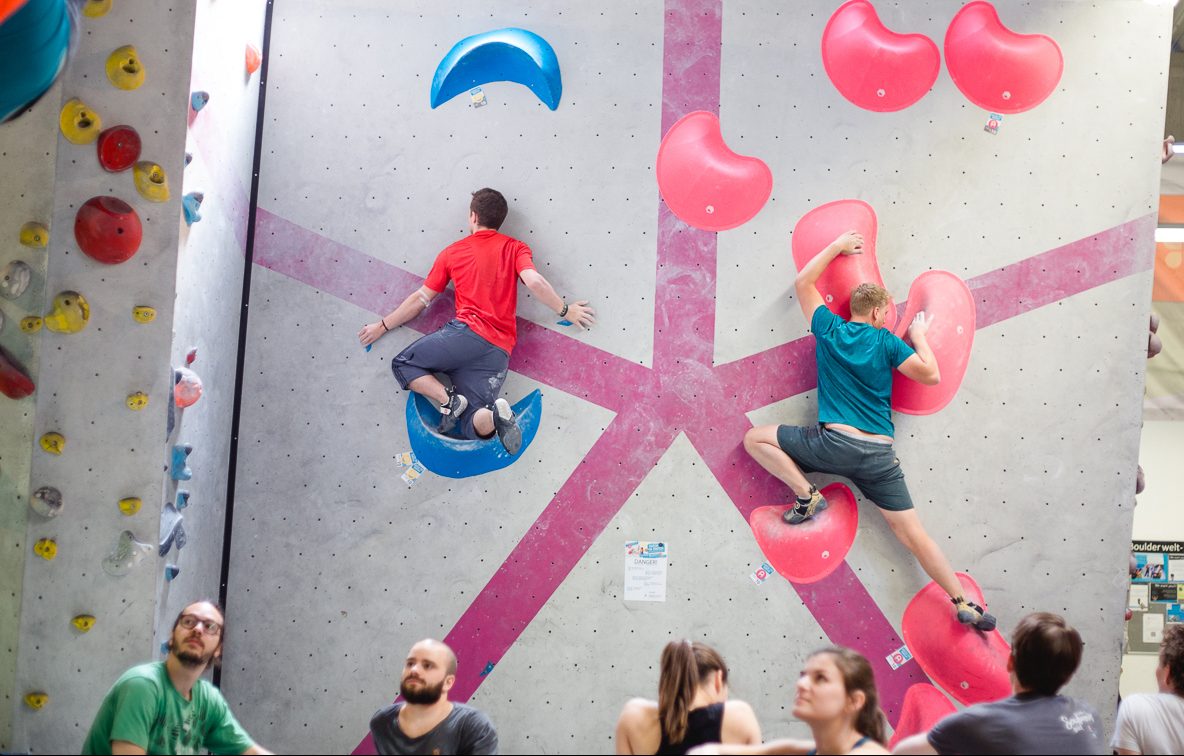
(108, 229)
(873, 66)
(809, 551)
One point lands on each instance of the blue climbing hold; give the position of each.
(198, 100)
(515, 55)
(462, 457)
(180, 467)
(182, 499)
(488, 668)
(190, 204)
(171, 571)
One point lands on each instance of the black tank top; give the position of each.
(704, 725)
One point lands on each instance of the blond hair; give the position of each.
(866, 296)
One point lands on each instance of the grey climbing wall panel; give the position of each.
(1025, 479)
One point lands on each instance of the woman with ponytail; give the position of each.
(836, 697)
(692, 706)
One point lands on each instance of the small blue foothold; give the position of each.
(198, 100)
(182, 499)
(488, 669)
(368, 347)
(190, 204)
(565, 322)
(164, 648)
(171, 571)
(180, 467)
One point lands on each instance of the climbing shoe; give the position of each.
(506, 426)
(451, 410)
(970, 613)
(805, 509)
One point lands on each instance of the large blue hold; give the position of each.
(514, 55)
(460, 457)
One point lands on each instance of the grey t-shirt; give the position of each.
(464, 730)
(1025, 723)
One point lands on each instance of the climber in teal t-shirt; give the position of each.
(165, 707)
(854, 434)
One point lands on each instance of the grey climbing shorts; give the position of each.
(871, 465)
(476, 367)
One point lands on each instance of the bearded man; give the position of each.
(425, 721)
(165, 707)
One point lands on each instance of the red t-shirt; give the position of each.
(484, 271)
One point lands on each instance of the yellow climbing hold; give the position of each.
(80, 124)
(34, 234)
(46, 548)
(151, 181)
(70, 313)
(124, 68)
(31, 323)
(36, 701)
(96, 8)
(137, 401)
(53, 442)
(84, 622)
(144, 314)
(130, 505)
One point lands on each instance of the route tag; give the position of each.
(994, 120)
(762, 573)
(478, 97)
(899, 657)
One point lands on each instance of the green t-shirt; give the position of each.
(144, 708)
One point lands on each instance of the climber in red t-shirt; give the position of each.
(473, 350)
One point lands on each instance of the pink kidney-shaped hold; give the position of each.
(873, 66)
(946, 298)
(703, 182)
(808, 552)
(923, 707)
(996, 68)
(823, 225)
(968, 664)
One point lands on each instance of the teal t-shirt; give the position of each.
(855, 364)
(144, 708)
(34, 41)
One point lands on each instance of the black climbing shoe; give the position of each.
(506, 425)
(970, 613)
(451, 410)
(805, 510)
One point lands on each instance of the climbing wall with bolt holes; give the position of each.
(94, 359)
(1040, 197)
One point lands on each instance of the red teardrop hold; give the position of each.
(254, 59)
(119, 148)
(108, 229)
(15, 382)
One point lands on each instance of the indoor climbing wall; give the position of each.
(95, 326)
(1037, 191)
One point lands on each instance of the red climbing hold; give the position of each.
(923, 707)
(947, 299)
(808, 552)
(874, 67)
(15, 382)
(823, 225)
(254, 59)
(119, 148)
(996, 68)
(703, 182)
(968, 664)
(108, 229)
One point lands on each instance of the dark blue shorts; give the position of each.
(476, 368)
(872, 466)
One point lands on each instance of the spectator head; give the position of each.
(1045, 652)
(1169, 673)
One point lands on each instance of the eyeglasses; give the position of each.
(211, 628)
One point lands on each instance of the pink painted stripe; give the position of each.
(1111, 254)
(556, 359)
(555, 543)
(840, 603)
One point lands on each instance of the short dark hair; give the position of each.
(1046, 651)
(490, 207)
(1171, 656)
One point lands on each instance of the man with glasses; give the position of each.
(425, 721)
(165, 707)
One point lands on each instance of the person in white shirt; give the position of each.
(1154, 722)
